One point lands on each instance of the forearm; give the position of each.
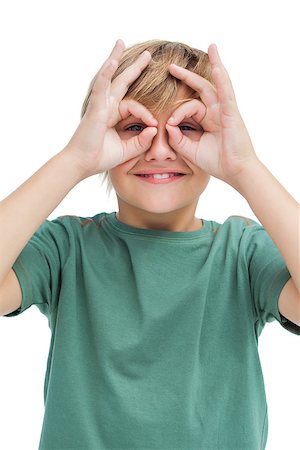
(23, 211)
(277, 211)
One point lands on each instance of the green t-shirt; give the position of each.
(154, 333)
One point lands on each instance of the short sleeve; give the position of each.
(268, 274)
(39, 267)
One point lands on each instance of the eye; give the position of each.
(135, 127)
(186, 128)
(189, 127)
(192, 131)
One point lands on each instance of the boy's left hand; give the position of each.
(224, 149)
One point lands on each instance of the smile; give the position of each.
(160, 178)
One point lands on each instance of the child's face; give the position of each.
(139, 197)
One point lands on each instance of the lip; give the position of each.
(159, 171)
(160, 181)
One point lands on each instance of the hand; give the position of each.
(96, 143)
(225, 147)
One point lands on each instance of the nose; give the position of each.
(160, 149)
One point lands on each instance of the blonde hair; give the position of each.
(156, 88)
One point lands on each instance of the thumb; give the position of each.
(181, 143)
(139, 143)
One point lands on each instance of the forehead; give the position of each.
(184, 93)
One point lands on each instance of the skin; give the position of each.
(223, 150)
(90, 146)
(171, 206)
(202, 151)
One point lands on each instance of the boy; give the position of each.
(155, 314)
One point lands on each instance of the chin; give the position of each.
(158, 206)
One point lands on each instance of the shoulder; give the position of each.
(64, 229)
(241, 223)
(79, 221)
(73, 224)
(236, 226)
(245, 235)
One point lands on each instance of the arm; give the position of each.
(226, 152)
(278, 212)
(23, 211)
(33, 201)
(89, 152)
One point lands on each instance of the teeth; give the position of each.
(160, 176)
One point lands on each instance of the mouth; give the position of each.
(160, 178)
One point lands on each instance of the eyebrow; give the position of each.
(131, 117)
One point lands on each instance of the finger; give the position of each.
(130, 107)
(138, 144)
(205, 89)
(208, 120)
(110, 65)
(118, 50)
(181, 143)
(114, 56)
(121, 83)
(103, 77)
(222, 82)
(192, 108)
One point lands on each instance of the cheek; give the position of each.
(195, 169)
(114, 175)
(120, 172)
(201, 178)
(194, 136)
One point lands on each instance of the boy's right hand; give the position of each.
(96, 144)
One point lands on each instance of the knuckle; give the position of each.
(138, 143)
(131, 103)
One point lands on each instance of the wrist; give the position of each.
(74, 165)
(248, 176)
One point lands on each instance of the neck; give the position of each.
(182, 220)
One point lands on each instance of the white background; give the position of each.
(50, 50)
